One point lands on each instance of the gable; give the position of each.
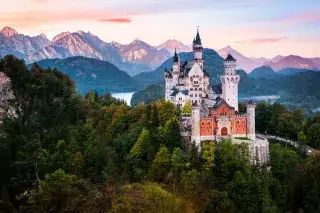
(195, 70)
(222, 109)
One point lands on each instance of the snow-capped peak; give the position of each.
(61, 35)
(116, 44)
(43, 35)
(8, 32)
(172, 44)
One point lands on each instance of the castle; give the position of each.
(215, 114)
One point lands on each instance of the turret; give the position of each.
(230, 81)
(230, 64)
(197, 47)
(175, 68)
(251, 124)
(176, 62)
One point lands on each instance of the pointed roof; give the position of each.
(198, 39)
(175, 57)
(230, 58)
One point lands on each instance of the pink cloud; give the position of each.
(39, 18)
(303, 17)
(116, 20)
(263, 40)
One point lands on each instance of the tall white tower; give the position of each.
(230, 81)
(197, 50)
(195, 131)
(251, 124)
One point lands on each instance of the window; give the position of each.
(196, 95)
(191, 95)
(191, 89)
(208, 130)
(200, 89)
(208, 123)
(202, 123)
(196, 89)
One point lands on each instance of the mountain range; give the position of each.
(133, 58)
(276, 63)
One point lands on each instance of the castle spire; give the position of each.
(175, 57)
(198, 39)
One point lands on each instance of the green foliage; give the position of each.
(60, 192)
(70, 153)
(161, 165)
(302, 137)
(187, 108)
(208, 149)
(282, 161)
(150, 197)
(171, 133)
(177, 162)
(313, 135)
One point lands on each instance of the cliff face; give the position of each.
(6, 97)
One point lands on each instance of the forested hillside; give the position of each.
(93, 74)
(64, 152)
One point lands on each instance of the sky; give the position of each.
(260, 28)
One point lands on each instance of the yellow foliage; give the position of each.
(150, 197)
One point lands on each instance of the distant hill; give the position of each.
(293, 71)
(213, 64)
(149, 94)
(263, 72)
(92, 74)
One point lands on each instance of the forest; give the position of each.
(64, 152)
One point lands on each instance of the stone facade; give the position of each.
(215, 113)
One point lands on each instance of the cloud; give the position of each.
(304, 17)
(40, 18)
(263, 40)
(116, 20)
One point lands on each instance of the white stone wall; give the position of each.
(260, 151)
(196, 84)
(230, 82)
(180, 99)
(251, 124)
(230, 89)
(195, 129)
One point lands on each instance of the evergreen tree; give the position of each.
(161, 165)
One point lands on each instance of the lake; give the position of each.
(126, 96)
(268, 98)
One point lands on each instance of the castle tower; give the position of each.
(175, 68)
(195, 132)
(230, 81)
(251, 124)
(198, 49)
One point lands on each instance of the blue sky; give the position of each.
(253, 27)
